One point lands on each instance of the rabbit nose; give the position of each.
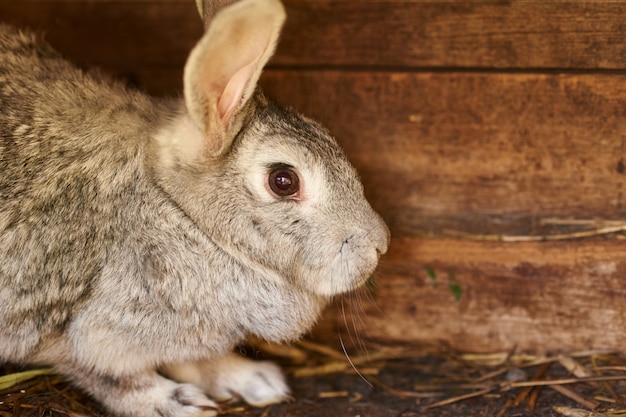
(377, 234)
(383, 237)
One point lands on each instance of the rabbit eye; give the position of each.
(284, 181)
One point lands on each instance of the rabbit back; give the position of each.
(59, 164)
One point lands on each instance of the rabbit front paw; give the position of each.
(257, 383)
(187, 400)
(144, 395)
(230, 377)
(163, 398)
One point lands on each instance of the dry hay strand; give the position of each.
(590, 228)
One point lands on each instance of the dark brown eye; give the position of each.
(284, 182)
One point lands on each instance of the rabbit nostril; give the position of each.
(382, 245)
(347, 241)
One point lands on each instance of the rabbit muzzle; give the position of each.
(356, 259)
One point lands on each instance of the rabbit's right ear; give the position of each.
(223, 69)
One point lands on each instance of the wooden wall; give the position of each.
(490, 135)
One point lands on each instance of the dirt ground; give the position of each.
(392, 382)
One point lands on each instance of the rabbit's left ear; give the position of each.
(223, 69)
(208, 9)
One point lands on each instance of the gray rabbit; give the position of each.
(142, 239)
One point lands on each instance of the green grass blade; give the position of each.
(8, 381)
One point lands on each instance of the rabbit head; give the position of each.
(272, 188)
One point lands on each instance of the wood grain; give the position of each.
(515, 35)
(121, 34)
(476, 34)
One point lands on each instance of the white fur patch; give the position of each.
(180, 140)
(232, 376)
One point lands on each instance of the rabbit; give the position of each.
(142, 239)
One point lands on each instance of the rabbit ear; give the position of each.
(223, 69)
(208, 9)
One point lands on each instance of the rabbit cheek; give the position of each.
(355, 257)
(349, 269)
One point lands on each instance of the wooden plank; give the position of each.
(122, 35)
(364, 34)
(145, 42)
(475, 153)
(157, 81)
(476, 34)
(531, 296)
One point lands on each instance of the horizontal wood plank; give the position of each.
(486, 297)
(476, 34)
(363, 34)
(123, 35)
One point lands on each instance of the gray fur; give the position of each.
(119, 256)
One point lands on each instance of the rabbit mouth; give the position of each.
(349, 269)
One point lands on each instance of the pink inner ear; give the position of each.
(233, 93)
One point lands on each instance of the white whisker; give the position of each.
(345, 352)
